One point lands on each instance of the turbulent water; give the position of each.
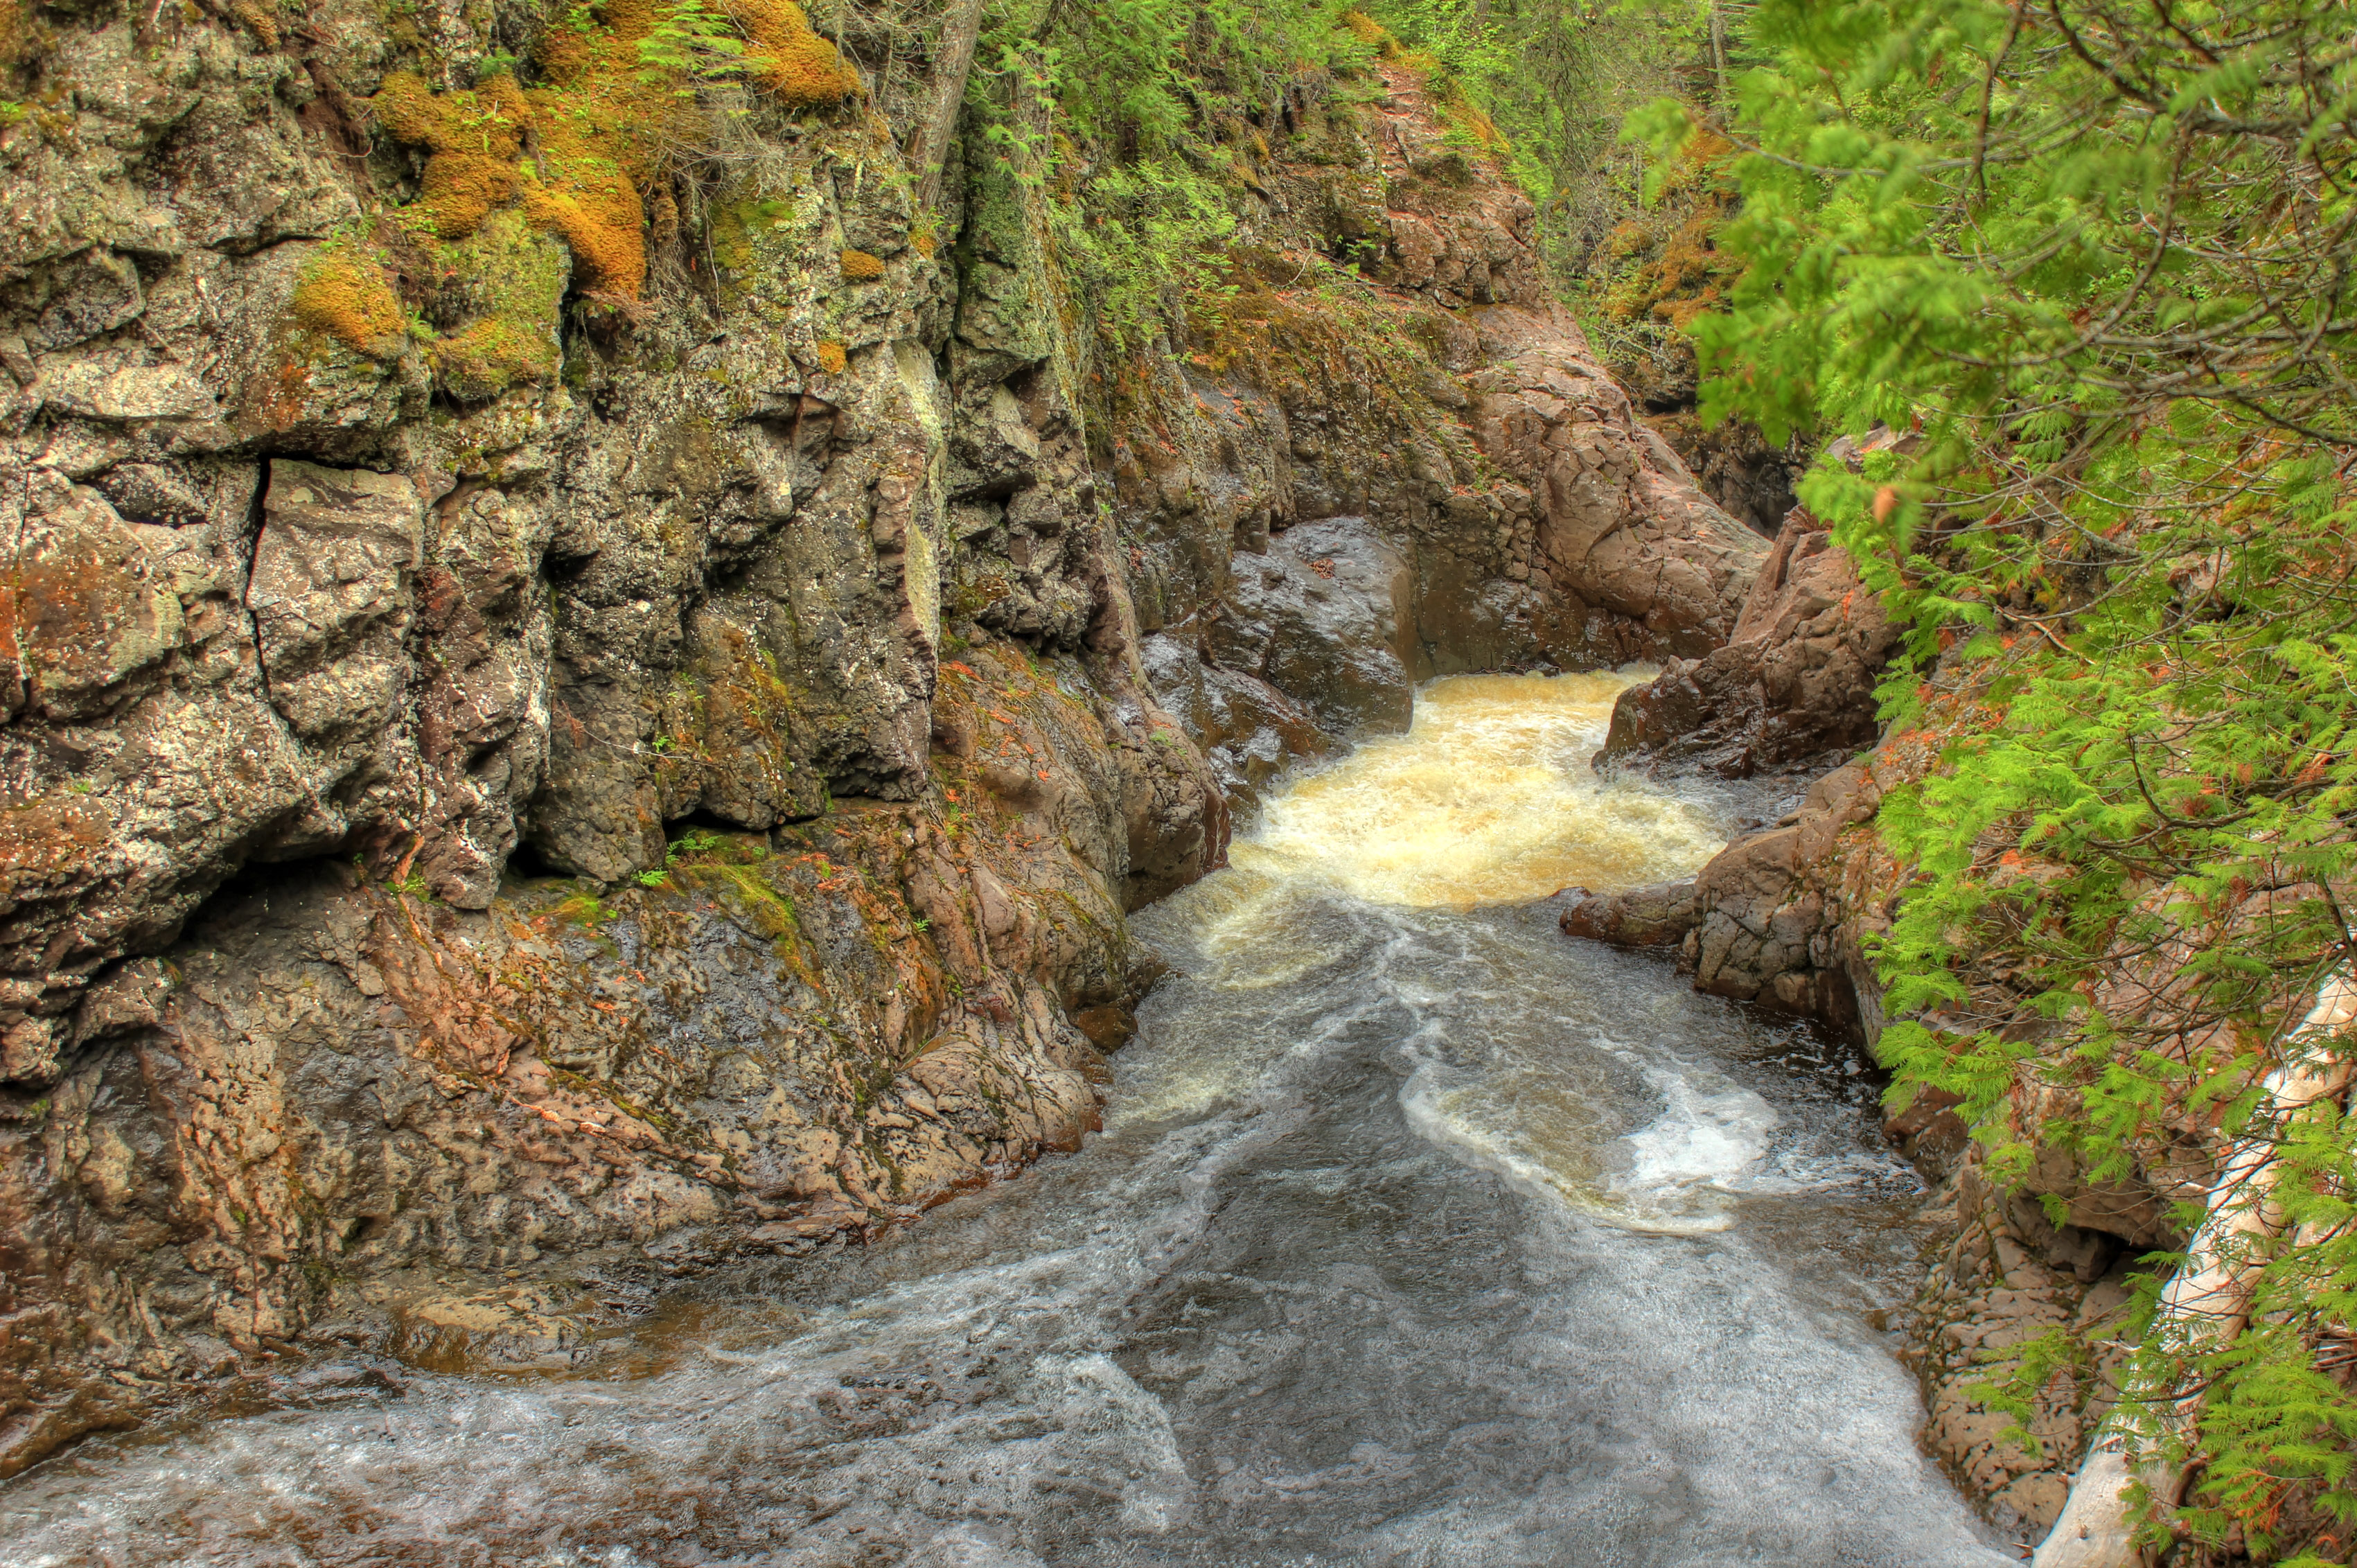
(1417, 1234)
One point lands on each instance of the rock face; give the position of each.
(1658, 916)
(1794, 684)
(2008, 1276)
(558, 736)
(1779, 917)
(1784, 919)
(1436, 477)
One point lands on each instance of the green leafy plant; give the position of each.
(2094, 262)
(584, 909)
(694, 44)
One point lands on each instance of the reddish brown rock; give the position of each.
(798, 621)
(1771, 910)
(2008, 1276)
(1794, 681)
(1658, 916)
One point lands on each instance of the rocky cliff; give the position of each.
(589, 679)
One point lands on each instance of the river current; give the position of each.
(1418, 1234)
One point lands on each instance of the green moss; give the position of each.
(584, 909)
(520, 275)
(620, 98)
(343, 294)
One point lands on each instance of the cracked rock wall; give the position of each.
(521, 783)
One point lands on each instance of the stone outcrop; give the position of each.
(1732, 461)
(1780, 917)
(1785, 918)
(1792, 684)
(1660, 914)
(2008, 1276)
(525, 780)
(1439, 475)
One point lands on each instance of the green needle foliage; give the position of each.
(2098, 260)
(1559, 79)
(693, 42)
(1136, 119)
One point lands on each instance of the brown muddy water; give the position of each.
(1418, 1235)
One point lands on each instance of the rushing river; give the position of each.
(1418, 1234)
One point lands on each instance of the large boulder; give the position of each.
(1631, 560)
(1794, 683)
(1776, 921)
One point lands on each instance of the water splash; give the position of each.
(1490, 800)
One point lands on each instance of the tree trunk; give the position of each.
(931, 145)
(2210, 1299)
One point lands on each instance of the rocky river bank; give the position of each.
(1782, 918)
(543, 755)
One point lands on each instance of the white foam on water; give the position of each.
(1488, 799)
(1711, 1133)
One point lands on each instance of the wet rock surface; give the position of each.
(1310, 647)
(1464, 482)
(2023, 1305)
(1656, 916)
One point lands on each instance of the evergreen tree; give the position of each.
(2098, 259)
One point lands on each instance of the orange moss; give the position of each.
(832, 359)
(258, 20)
(597, 211)
(797, 66)
(490, 356)
(924, 242)
(1474, 123)
(476, 139)
(859, 266)
(603, 123)
(344, 296)
(1372, 33)
(600, 130)
(460, 190)
(1684, 280)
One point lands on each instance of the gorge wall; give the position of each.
(570, 711)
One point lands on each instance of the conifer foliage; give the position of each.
(2099, 260)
